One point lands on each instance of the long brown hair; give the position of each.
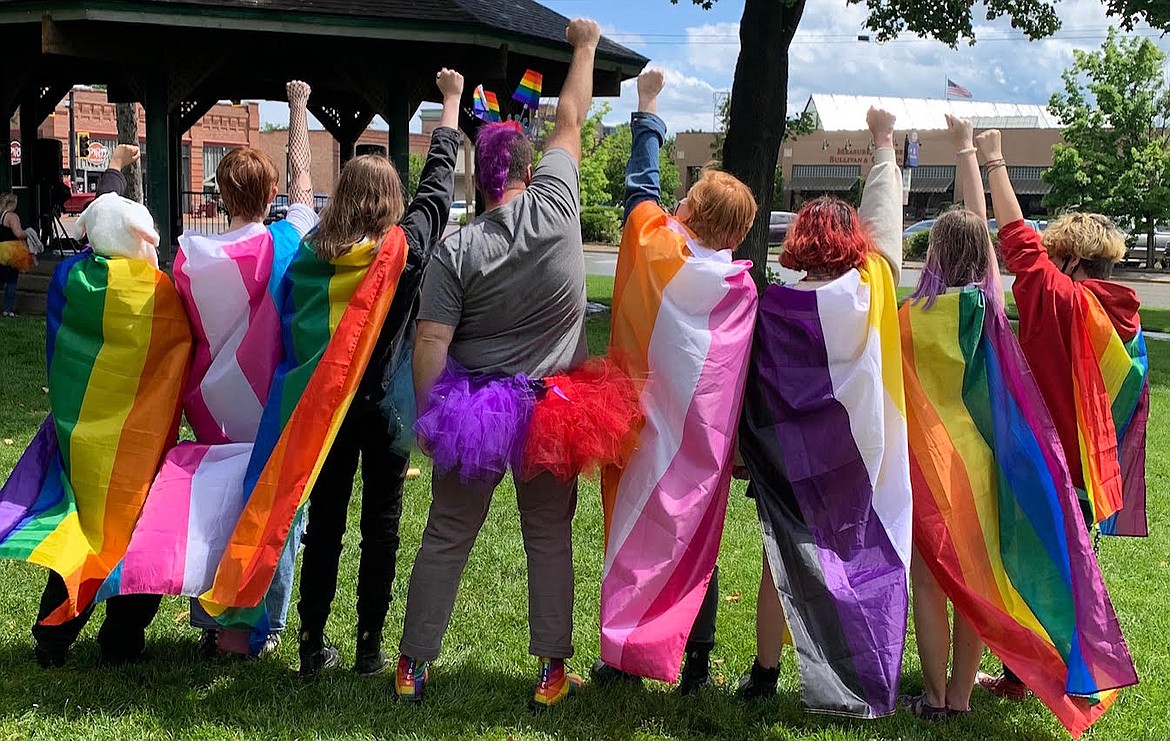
(368, 201)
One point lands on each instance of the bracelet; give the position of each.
(996, 166)
(966, 150)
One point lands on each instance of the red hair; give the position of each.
(826, 240)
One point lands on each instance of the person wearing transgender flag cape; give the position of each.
(683, 316)
(230, 286)
(823, 436)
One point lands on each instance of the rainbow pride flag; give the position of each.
(528, 92)
(485, 105)
(230, 286)
(996, 515)
(118, 348)
(1110, 383)
(824, 437)
(682, 321)
(332, 315)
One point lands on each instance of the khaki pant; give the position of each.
(457, 513)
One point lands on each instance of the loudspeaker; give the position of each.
(47, 157)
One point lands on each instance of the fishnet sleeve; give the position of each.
(299, 155)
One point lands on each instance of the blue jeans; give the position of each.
(279, 595)
(643, 179)
(9, 276)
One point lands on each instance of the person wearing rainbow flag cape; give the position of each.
(683, 316)
(502, 381)
(1082, 336)
(982, 441)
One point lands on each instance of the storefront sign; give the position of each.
(912, 147)
(14, 153)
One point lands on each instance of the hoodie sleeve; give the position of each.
(881, 208)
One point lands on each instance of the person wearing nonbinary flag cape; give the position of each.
(1082, 336)
(118, 347)
(984, 452)
(230, 286)
(683, 316)
(823, 436)
(366, 205)
(502, 383)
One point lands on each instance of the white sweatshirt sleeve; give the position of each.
(881, 208)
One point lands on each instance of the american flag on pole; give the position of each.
(957, 90)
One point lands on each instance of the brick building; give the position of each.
(836, 156)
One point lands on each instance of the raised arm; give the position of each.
(881, 201)
(300, 158)
(643, 180)
(1003, 196)
(426, 216)
(577, 94)
(967, 165)
(113, 180)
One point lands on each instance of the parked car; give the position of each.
(1137, 248)
(778, 225)
(459, 211)
(921, 226)
(278, 209)
(993, 225)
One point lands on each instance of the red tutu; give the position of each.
(587, 419)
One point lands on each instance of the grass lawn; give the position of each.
(482, 683)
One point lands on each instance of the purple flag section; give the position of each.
(18, 498)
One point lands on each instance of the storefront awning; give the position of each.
(823, 178)
(933, 179)
(1026, 180)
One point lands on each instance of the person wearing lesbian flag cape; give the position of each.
(1082, 336)
(230, 286)
(118, 347)
(823, 436)
(502, 382)
(984, 452)
(683, 316)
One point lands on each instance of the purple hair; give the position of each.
(960, 269)
(500, 151)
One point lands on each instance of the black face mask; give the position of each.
(1064, 268)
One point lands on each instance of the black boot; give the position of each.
(49, 658)
(317, 654)
(208, 645)
(370, 660)
(759, 683)
(696, 672)
(603, 673)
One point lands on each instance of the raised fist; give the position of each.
(583, 32)
(990, 145)
(960, 131)
(298, 91)
(650, 83)
(880, 122)
(450, 83)
(123, 155)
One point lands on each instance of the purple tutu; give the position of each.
(477, 425)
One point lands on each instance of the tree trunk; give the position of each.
(759, 112)
(127, 118)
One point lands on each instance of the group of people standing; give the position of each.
(884, 446)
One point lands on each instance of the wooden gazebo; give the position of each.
(362, 57)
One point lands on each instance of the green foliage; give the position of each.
(1115, 157)
(270, 126)
(778, 190)
(801, 124)
(417, 162)
(604, 158)
(915, 247)
(601, 224)
(1154, 12)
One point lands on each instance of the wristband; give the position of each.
(966, 150)
(996, 166)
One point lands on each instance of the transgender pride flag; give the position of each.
(682, 321)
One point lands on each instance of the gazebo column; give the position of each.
(398, 116)
(345, 124)
(28, 147)
(158, 163)
(175, 170)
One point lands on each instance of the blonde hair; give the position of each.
(7, 201)
(722, 209)
(1091, 238)
(368, 201)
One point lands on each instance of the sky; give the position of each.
(698, 49)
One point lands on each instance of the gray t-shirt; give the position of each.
(512, 282)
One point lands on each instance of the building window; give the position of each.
(212, 155)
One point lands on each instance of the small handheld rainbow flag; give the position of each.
(528, 93)
(485, 105)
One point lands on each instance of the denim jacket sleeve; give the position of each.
(643, 181)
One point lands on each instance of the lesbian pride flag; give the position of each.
(824, 437)
(118, 346)
(682, 326)
(996, 517)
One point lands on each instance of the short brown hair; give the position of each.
(1091, 238)
(245, 178)
(722, 209)
(367, 202)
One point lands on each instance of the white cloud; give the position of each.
(686, 103)
(713, 47)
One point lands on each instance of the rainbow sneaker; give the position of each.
(410, 680)
(554, 685)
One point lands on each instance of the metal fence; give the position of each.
(204, 211)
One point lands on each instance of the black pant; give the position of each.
(123, 632)
(702, 637)
(363, 432)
